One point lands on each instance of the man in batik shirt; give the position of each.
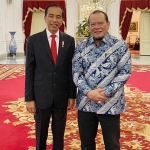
(101, 67)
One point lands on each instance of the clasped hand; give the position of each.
(97, 95)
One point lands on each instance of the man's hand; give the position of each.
(71, 103)
(97, 95)
(30, 106)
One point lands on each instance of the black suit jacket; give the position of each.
(46, 82)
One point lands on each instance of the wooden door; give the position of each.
(145, 34)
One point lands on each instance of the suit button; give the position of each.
(54, 73)
(54, 84)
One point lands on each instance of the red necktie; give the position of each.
(53, 48)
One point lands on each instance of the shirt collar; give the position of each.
(49, 34)
(90, 40)
(106, 39)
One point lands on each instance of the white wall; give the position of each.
(2, 28)
(14, 23)
(11, 20)
(113, 14)
(72, 17)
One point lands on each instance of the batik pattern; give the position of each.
(105, 66)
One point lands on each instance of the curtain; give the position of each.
(126, 24)
(126, 9)
(29, 6)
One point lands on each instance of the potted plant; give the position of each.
(82, 28)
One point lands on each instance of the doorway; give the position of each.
(133, 36)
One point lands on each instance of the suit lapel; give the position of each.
(60, 48)
(45, 44)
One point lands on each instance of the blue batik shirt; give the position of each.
(105, 66)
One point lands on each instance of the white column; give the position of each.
(72, 17)
(2, 28)
(113, 14)
(18, 7)
(14, 23)
(9, 23)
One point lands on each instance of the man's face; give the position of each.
(53, 19)
(98, 26)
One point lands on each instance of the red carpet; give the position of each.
(17, 126)
(13, 134)
(140, 78)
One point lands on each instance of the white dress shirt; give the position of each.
(50, 38)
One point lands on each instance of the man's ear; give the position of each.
(108, 23)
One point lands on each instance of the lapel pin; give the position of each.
(108, 53)
(62, 43)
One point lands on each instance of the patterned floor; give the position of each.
(11, 71)
(135, 122)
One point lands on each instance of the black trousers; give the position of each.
(42, 121)
(88, 127)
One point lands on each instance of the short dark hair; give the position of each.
(53, 5)
(96, 12)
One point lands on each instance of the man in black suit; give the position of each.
(49, 87)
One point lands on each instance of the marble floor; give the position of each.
(140, 60)
(136, 60)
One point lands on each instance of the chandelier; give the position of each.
(87, 6)
(102, 3)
